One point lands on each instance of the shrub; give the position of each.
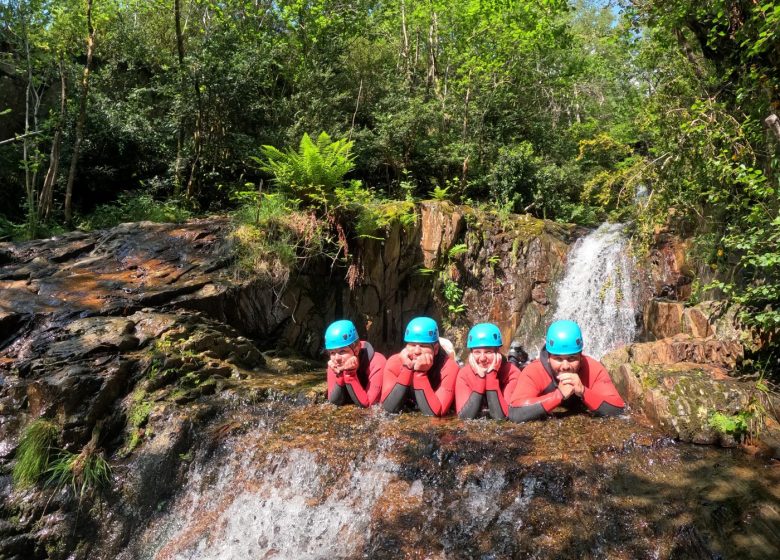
(135, 207)
(272, 235)
(314, 172)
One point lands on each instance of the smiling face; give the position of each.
(341, 355)
(483, 356)
(565, 363)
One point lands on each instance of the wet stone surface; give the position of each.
(362, 483)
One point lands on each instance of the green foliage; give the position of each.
(83, 472)
(453, 296)
(135, 207)
(33, 454)
(315, 173)
(439, 193)
(375, 216)
(273, 236)
(731, 424)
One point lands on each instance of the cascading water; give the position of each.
(327, 482)
(597, 290)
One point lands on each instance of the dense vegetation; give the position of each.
(650, 110)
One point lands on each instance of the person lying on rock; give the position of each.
(421, 373)
(488, 378)
(563, 375)
(354, 369)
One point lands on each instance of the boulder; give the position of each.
(682, 385)
(682, 398)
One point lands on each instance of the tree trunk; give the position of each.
(47, 191)
(82, 116)
(405, 48)
(183, 79)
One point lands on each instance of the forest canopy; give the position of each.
(662, 113)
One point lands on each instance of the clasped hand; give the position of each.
(419, 363)
(570, 383)
(350, 364)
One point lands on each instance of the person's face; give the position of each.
(565, 364)
(340, 355)
(416, 349)
(483, 356)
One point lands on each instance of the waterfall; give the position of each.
(597, 290)
(288, 507)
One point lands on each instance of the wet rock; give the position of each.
(685, 348)
(682, 398)
(663, 319)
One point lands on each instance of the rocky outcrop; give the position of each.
(143, 388)
(682, 385)
(716, 319)
(503, 271)
(669, 271)
(461, 266)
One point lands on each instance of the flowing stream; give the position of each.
(597, 290)
(327, 482)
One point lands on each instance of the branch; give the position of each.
(20, 137)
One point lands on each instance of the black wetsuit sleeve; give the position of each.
(533, 411)
(393, 401)
(338, 395)
(472, 407)
(606, 409)
(494, 405)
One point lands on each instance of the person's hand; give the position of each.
(478, 370)
(406, 359)
(570, 381)
(350, 375)
(495, 365)
(424, 361)
(350, 363)
(336, 367)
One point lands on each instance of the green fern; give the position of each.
(313, 172)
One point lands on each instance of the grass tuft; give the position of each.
(32, 457)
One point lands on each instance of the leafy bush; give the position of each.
(135, 207)
(314, 172)
(32, 457)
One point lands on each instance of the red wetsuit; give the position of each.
(433, 390)
(362, 386)
(536, 392)
(472, 391)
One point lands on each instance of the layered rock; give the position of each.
(682, 385)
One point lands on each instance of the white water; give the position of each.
(597, 290)
(289, 507)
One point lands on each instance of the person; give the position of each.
(517, 354)
(422, 372)
(488, 378)
(563, 375)
(354, 369)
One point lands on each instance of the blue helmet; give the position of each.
(340, 334)
(484, 335)
(422, 330)
(564, 338)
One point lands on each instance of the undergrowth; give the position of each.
(135, 207)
